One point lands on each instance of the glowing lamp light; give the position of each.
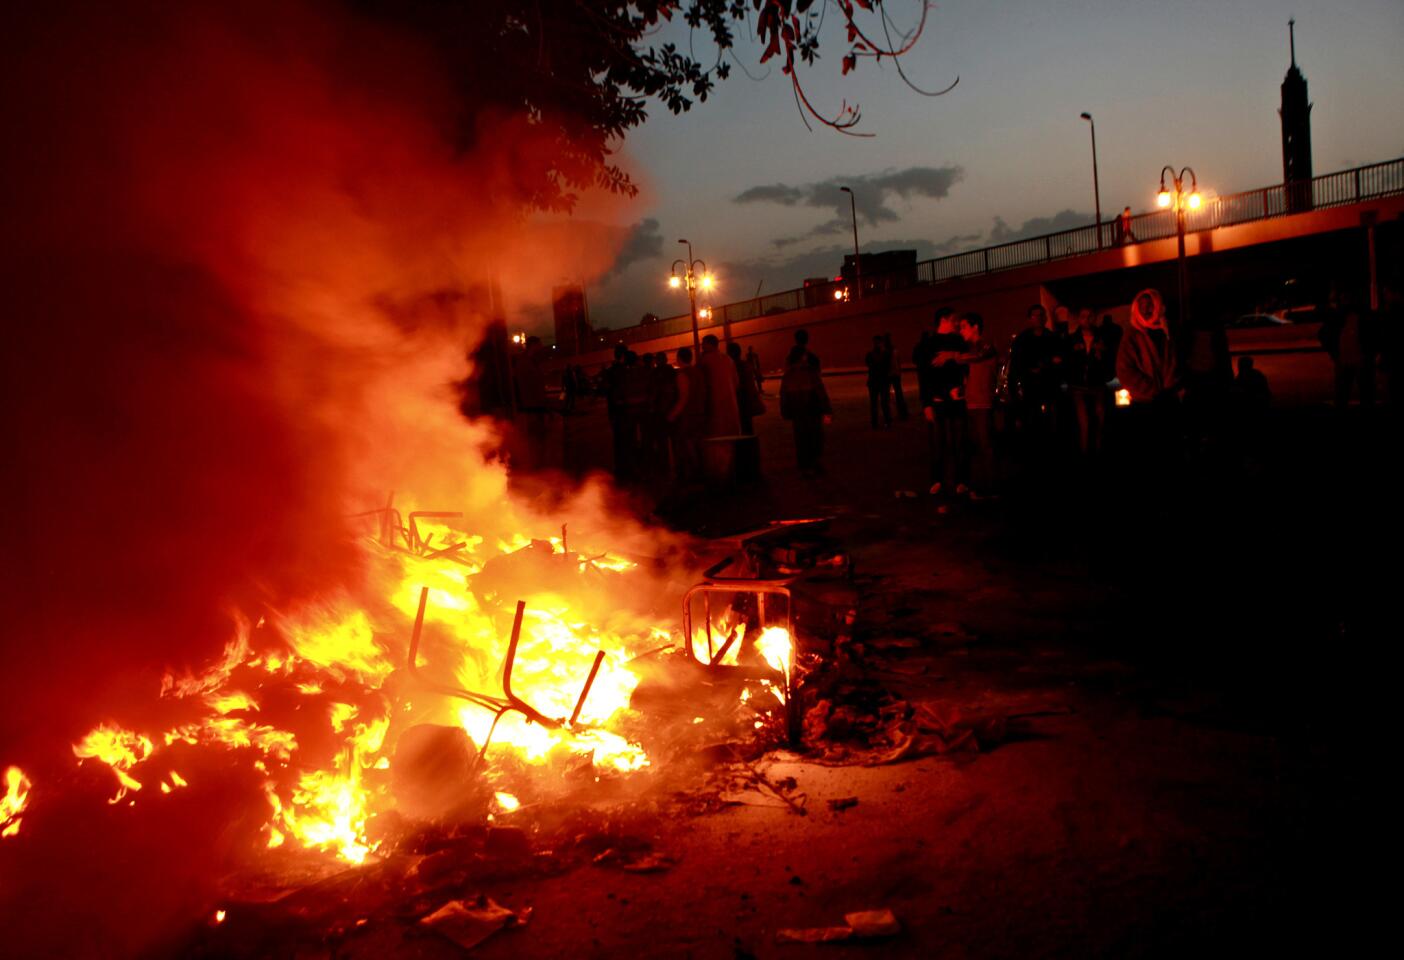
(1162, 199)
(838, 294)
(675, 281)
(704, 313)
(707, 281)
(1195, 200)
(1123, 397)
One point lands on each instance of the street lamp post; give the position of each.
(1096, 184)
(857, 263)
(1182, 201)
(694, 274)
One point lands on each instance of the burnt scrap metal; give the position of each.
(395, 526)
(508, 701)
(793, 565)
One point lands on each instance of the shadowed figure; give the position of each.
(879, 366)
(805, 403)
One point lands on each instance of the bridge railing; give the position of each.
(1328, 190)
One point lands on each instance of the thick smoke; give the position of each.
(239, 267)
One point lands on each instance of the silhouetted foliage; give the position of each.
(586, 69)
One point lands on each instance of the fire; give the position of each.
(324, 777)
(119, 749)
(777, 650)
(14, 801)
(330, 807)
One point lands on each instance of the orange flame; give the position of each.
(777, 649)
(342, 647)
(119, 749)
(14, 801)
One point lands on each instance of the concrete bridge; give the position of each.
(1240, 250)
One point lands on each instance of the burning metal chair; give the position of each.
(509, 701)
(773, 562)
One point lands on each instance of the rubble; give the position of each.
(863, 925)
(814, 935)
(469, 923)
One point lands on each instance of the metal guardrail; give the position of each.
(1328, 190)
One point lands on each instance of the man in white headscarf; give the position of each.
(1146, 364)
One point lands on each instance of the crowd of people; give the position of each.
(663, 414)
(1058, 387)
(687, 419)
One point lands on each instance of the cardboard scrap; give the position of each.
(635, 862)
(470, 922)
(873, 923)
(865, 924)
(814, 935)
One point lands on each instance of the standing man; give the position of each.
(688, 418)
(1110, 332)
(1348, 336)
(802, 341)
(532, 408)
(723, 414)
(1090, 367)
(895, 373)
(925, 351)
(981, 362)
(662, 398)
(753, 362)
(879, 382)
(1031, 376)
(748, 401)
(805, 403)
(614, 404)
(944, 409)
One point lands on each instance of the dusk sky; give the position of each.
(1005, 153)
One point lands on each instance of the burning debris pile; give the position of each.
(475, 679)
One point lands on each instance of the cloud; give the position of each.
(1002, 232)
(776, 274)
(774, 193)
(643, 242)
(872, 195)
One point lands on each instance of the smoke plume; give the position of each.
(242, 272)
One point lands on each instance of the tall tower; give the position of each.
(1296, 132)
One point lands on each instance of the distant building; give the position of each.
(819, 291)
(1296, 132)
(889, 270)
(572, 313)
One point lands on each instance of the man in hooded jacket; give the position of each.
(1146, 364)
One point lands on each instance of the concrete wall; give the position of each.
(841, 333)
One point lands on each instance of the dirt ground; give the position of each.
(1188, 775)
(1190, 770)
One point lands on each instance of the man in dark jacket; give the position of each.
(805, 403)
(1032, 377)
(688, 418)
(944, 408)
(980, 361)
(879, 382)
(1348, 335)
